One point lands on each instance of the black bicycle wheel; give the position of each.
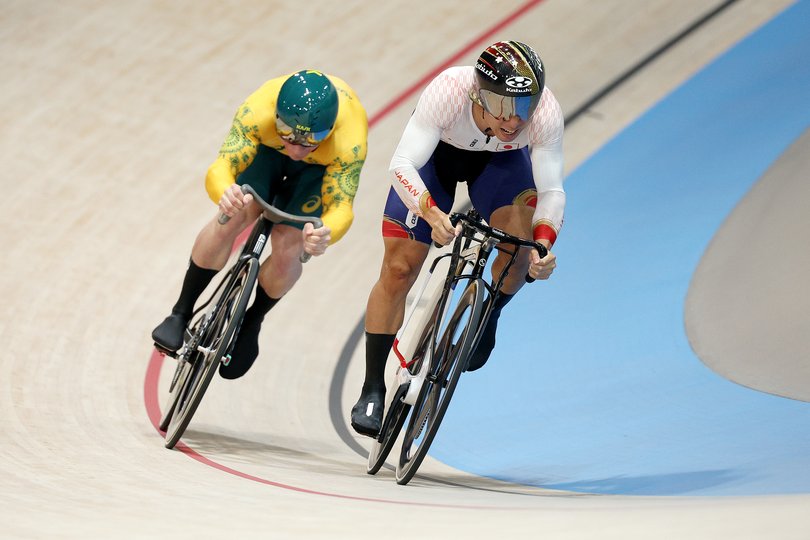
(215, 342)
(447, 364)
(198, 334)
(395, 415)
(180, 374)
(397, 410)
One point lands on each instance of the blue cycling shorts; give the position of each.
(494, 179)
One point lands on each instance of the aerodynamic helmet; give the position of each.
(307, 108)
(510, 80)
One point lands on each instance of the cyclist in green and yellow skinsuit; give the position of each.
(300, 141)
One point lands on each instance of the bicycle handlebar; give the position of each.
(498, 234)
(275, 215)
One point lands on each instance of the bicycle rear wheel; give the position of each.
(214, 339)
(447, 364)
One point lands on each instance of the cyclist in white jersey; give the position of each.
(497, 127)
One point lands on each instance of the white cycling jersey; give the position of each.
(444, 112)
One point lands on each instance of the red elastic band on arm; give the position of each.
(543, 231)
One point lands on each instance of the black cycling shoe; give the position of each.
(481, 353)
(367, 413)
(169, 334)
(244, 353)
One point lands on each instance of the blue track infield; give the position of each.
(593, 386)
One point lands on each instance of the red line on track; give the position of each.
(150, 389)
(153, 411)
(397, 101)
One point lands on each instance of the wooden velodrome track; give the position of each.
(110, 114)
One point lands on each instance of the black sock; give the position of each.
(261, 305)
(502, 300)
(481, 354)
(194, 283)
(377, 348)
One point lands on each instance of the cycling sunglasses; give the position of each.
(507, 106)
(299, 137)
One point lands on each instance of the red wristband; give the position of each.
(544, 231)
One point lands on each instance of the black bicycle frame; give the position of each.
(487, 239)
(253, 248)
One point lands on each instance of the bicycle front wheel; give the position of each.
(214, 340)
(395, 416)
(447, 364)
(180, 374)
(397, 410)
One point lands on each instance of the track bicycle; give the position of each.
(211, 334)
(426, 379)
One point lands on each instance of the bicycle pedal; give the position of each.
(226, 359)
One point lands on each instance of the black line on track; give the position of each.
(338, 416)
(644, 62)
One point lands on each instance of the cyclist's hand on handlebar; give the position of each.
(443, 231)
(316, 240)
(233, 201)
(541, 268)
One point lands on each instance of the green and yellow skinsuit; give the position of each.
(340, 156)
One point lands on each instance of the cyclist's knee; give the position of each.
(288, 244)
(213, 244)
(395, 278)
(513, 219)
(227, 233)
(282, 263)
(403, 256)
(399, 271)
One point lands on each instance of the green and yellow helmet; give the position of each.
(307, 108)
